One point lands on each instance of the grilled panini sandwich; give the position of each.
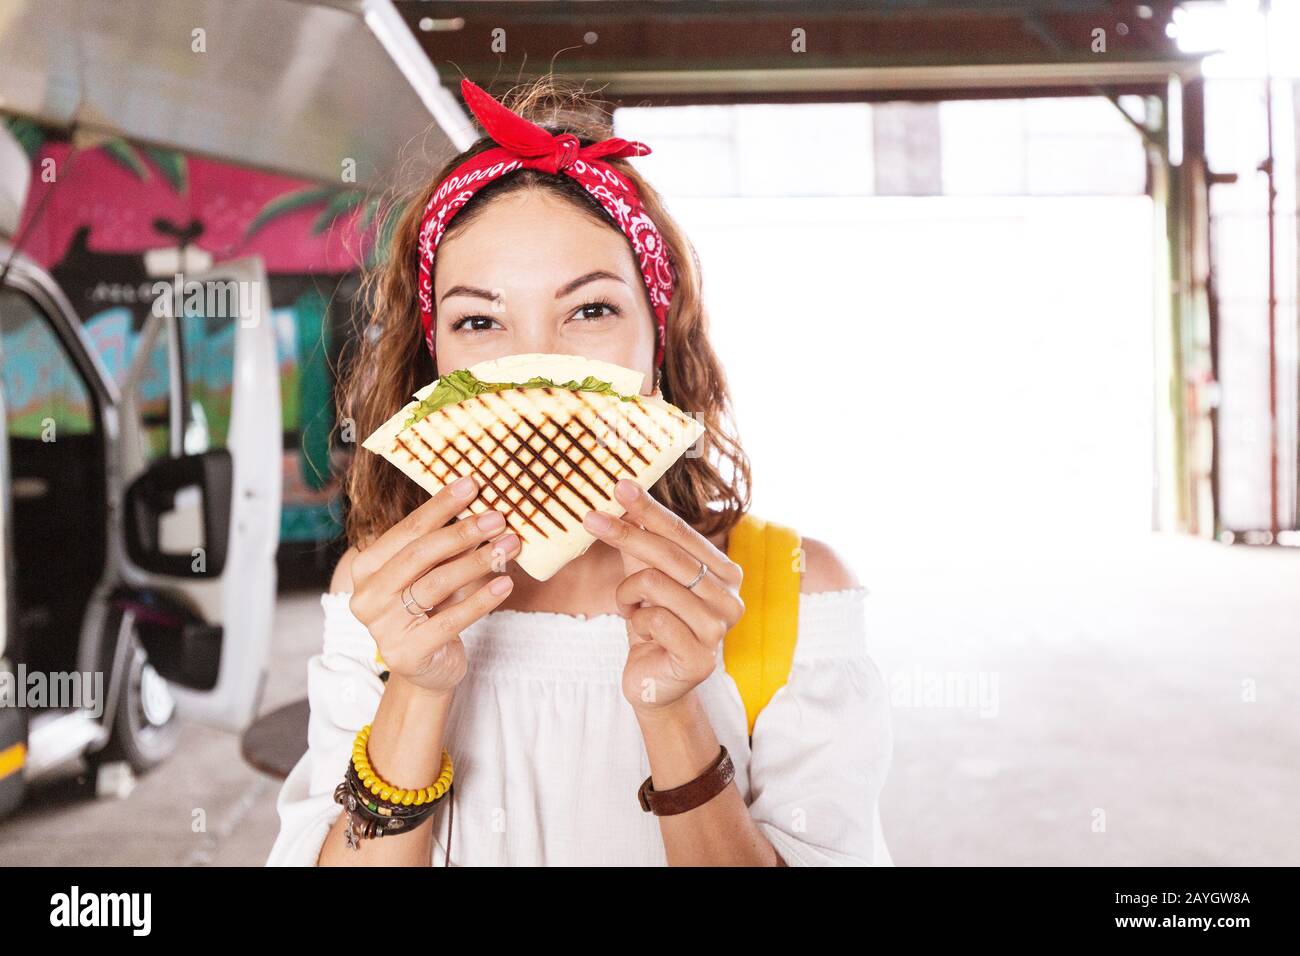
(546, 436)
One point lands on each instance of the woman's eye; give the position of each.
(476, 323)
(596, 310)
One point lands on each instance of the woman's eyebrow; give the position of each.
(470, 291)
(584, 279)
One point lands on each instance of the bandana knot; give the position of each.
(566, 151)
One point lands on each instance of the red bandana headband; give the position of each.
(524, 144)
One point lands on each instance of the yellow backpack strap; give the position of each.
(759, 649)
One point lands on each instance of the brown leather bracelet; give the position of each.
(665, 803)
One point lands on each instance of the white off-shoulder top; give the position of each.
(549, 755)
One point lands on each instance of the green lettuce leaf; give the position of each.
(462, 384)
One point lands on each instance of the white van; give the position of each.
(138, 552)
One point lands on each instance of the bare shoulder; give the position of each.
(824, 569)
(342, 580)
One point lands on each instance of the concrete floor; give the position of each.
(1122, 674)
(1114, 728)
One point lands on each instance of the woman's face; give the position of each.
(532, 273)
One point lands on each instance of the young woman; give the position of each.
(542, 238)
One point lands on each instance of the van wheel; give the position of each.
(146, 729)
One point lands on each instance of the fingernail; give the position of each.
(627, 490)
(492, 521)
(505, 544)
(464, 488)
(597, 521)
(501, 585)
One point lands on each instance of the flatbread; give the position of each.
(544, 456)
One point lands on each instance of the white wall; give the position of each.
(917, 370)
(972, 370)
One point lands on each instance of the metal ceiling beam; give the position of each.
(702, 50)
(567, 11)
(847, 80)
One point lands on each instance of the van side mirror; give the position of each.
(166, 485)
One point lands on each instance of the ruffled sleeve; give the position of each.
(822, 746)
(343, 691)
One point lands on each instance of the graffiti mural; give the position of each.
(97, 218)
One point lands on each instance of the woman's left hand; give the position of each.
(673, 631)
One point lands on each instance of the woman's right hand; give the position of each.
(435, 559)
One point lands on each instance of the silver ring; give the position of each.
(704, 569)
(408, 598)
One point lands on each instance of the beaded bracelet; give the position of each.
(376, 808)
(386, 791)
(382, 808)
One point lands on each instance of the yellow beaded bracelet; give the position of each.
(386, 791)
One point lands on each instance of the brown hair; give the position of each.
(390, 360)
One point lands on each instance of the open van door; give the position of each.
(201, 456)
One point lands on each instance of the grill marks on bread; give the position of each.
(530, 459)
